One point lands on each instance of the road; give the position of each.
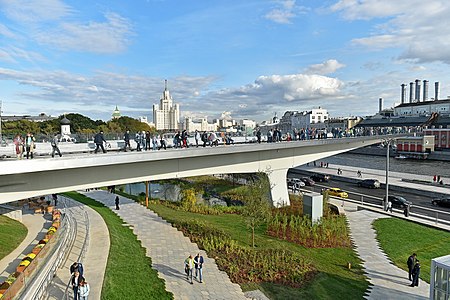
(375, 196)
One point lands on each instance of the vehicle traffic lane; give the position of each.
(375, 196)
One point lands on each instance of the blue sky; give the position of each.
(251, 58)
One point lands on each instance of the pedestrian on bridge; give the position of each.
(83, 290)
(99, 139)
(55, 147)
(77, 278)
(126, 138)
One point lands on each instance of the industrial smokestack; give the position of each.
(411, 92)
(380, 105)
(403, 97)
(425, 91)
(436, 90)
(417, 90)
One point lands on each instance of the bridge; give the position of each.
(21, 179)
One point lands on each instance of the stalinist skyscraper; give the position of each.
(166, 115)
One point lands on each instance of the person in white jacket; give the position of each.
(83, 290)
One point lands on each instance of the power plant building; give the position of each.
(166, 115)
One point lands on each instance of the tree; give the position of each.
(188, 199)
(256, 204)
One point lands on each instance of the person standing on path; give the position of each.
(117, 202)
(198, 261)
(83, 290)
(389, 206)
(18, 142)
(188, 268)
(411, 263)
(99, 139)
(55, 147)
(416, 274)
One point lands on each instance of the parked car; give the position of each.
(337, 192)
(370, 183)
(320, 177)
(444, 202)
(308, 181)
(399, 202)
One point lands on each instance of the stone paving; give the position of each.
(168, 248)
(387, 280)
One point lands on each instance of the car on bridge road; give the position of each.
(370, 183)
(444, 202)
(337, 192)
(295, 183)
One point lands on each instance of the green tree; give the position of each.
(188, 199)
(256, 204)
(79, 122)
(131, 124)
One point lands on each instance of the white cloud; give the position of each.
(327, 67)
(284, 13)
(34, 10)
(6, 32)
(421, 29)
(110, 36)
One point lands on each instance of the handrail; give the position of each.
(83, 248)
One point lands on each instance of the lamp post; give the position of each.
(387, 142)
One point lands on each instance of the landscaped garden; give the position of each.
(281, 253)
(400, 238)
(128, 270)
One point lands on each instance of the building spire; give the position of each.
(165, 85)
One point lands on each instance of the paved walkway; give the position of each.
(37, 225)
(387, 280)
(168, 249)
(94, 259)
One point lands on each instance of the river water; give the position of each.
(421, 167)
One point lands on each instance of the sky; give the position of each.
(250, 58)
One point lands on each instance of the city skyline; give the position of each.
(251, 59)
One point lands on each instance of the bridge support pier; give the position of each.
(278, 187)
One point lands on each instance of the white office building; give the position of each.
(315, 118)
(201, 124)
(166, 115)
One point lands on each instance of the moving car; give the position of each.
(370, 183)
(337, 192)
(308, 181)
(444, 202)
(399, 202)
(320, 177)
(295, 183)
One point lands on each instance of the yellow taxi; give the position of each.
(337, 192)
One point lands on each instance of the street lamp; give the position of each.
(387, 142)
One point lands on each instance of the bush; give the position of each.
(244, 265)
(330, 232)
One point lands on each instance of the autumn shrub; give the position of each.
(328, 232)
(246, 265)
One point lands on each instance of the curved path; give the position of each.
(387, 281)
(168, 249)
(94, 259)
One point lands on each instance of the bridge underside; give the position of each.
(23, 179)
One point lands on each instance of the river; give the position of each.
(421, 167)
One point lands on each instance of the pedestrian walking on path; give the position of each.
(188, 268)
(117, 203)
(389, 206)
(411, 262)
(83, 290)
(99, 139)
(198, 261)
(416, 274)
(76, 267)
(77, 278)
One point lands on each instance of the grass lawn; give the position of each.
(128, 270)
(12, 233)
(400, 238)
(334, 281)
